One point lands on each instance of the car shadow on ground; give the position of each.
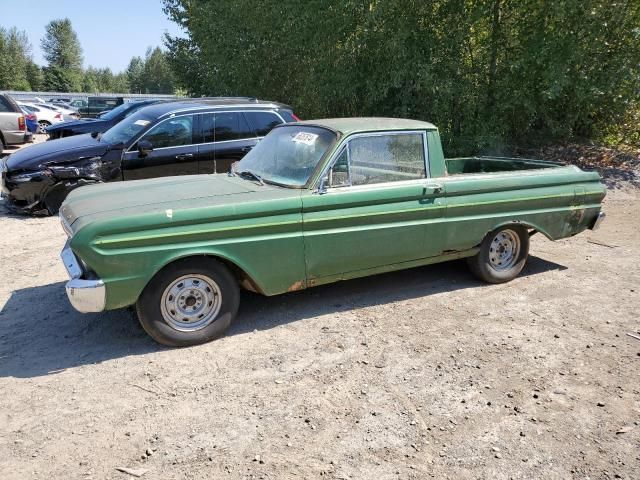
(41, 334)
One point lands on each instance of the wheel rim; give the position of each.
(504, 250)
(42, 126)
(191, 302)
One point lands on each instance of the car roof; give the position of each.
(194, 105)
(347, 126)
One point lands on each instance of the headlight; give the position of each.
(26, 177)
(65, 225)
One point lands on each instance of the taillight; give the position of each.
(21, 124)
(31, 117)
(295, 117)
(58, 116)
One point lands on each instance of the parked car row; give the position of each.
(100, 124)
(13, 124)
(156, 140)
(272, 204)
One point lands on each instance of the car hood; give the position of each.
(165, 199)
(87, 125)
(63, 150)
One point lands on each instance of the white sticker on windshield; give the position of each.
(304, 137)
(143, 123)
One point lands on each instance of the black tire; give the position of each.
(54, 198)
(152, 301)
(488, 264)
(57, 194)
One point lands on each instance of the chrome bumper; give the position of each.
(598, 221)
(85, 295)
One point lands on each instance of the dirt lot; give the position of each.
(417, 374)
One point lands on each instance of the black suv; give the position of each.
(170, 138)
(96, 125)
(97, 105)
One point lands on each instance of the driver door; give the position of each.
(379, 209)
(174, 151)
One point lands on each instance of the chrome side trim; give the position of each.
(85, 295)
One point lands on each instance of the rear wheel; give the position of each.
(189, 302)
(42, 124)
(502, 256)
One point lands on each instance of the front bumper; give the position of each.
(17, 137)
(85, 295)
(23, 196)
(598, 221)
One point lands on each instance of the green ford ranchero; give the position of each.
(314, 202)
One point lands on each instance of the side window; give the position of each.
(224, 126)
(339, 173)
(262, 122)
(386, 158)
(172, 133)
(4, 106)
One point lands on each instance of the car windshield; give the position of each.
(288, 155)
(111, 114)
(124, 131)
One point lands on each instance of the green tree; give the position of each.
(120, 83)
(63, 53)
(135, 74)
(90, 82)
(157, 76)
(15, 58)
(35, 76)
(489, 73)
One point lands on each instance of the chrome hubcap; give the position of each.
(504, 250)
(191, 302)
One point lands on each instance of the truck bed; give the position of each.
(467, 165)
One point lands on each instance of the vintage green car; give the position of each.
(314, 202)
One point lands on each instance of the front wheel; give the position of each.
(502, 256)
(189, 302)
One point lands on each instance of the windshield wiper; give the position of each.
(249, 173)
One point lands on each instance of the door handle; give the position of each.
(182, 156)
(246, 149)
(433, 188)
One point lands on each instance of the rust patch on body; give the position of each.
(299, 285)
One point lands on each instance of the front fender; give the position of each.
(269, 265)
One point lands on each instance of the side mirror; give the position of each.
(144, 147)
(322, 188)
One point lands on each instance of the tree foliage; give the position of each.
(488, 72)
(16, 64)
(63, 53)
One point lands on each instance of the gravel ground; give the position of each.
(416, 374)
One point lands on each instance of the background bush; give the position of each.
(489, 73)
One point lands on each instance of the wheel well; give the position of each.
(242, 277)
(532, 229)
